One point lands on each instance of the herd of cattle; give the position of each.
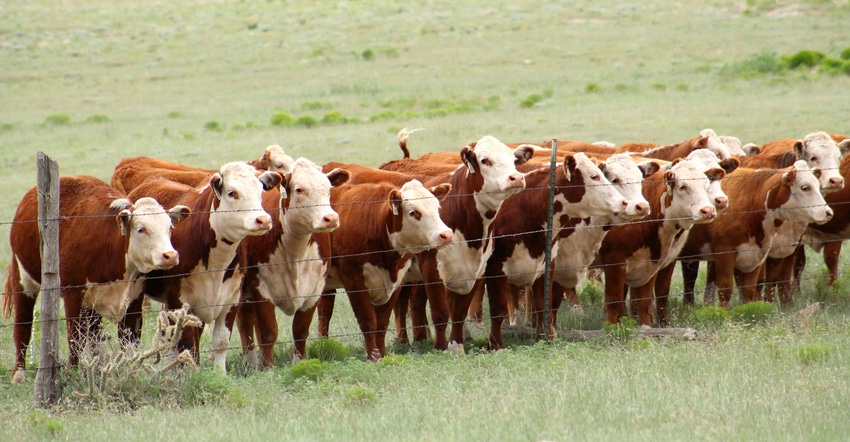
(437, 230)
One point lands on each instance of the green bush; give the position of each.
(593, 88)
(710, 316)
(7, 126)
(368, 54)
(360, 395)
(173, 114)
(326, 350)
(314, 105)
(58, 119)
(213, 126)
(97, 118)
(761, 64)
(530, 101)
(382, 116)
(623, 331)
(753, 312)
(281, 119)
(306, 121)
(46, 426)
(845, 67)
(845, 54)
(312, 369)
(661, 87)
(810, 353)
(806, 57)
(334, 117)
(493, 102)
(831, 65)
(591, 293)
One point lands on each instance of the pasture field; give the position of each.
(205, 82)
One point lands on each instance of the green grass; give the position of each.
(163, 72)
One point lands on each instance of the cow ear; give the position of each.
(647, 168)
(338, 177)
(817, 172)
(844, 147)
(395, 201)
(441, 191)
(265, 160)
(123, 220)
(601, 165)
(798, 150)
(789, 176)
(715, 174)
(569, 166)
(701, 143)
(523, 153)
(676, 161)
(670, 179)
(270, 180)
(285, 179)
(788, 159)
(468, 157)
(751, 149)
(216, 184)
(178, 213)
(730, 164)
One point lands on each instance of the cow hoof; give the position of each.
(19, 376)
(296, 358)
(456, 349)
(252, 359)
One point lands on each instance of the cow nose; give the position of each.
(516, 180)
(263, 222)
(446, 237)
(707, 212)
(721, 202)
(170, 258)
(331, 221)
(642, 208)
(828, 214)
(837, 182)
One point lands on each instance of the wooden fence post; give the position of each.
(48, 385)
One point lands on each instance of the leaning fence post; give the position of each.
(48, 386)
(547, 252)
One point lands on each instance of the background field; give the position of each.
(198, 82)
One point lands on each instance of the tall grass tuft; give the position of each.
(753, 313)
(281, 119)
(326, 350)
(58, 119)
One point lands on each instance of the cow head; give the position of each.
(806, 203)
(625, 176)
(148, 226)
(496, 163)
(709, 140)
(708, 161)
(418, 210)
(237, 211)
(818, 149)
(599, 197)
(687, 184)
(274, 160)
(306, 197)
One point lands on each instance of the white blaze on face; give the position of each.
(421, 225)
(240, 212)
(278, 160)
(626, 178)
(149, 226)
(496, 162)
(806, 203)
(736, 148)
(818, 149)
(309, 193)
(688, 184)
(707, 160)
(600, 197)
(715, 144)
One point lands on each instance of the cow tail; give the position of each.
(9, 288)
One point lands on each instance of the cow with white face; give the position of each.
(274, 160)
(382, 228)
(287, 267)
(106, 246)
(209, 277)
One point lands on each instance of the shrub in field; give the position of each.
(761, 64)
(845, 54)
(315, 105)
(831, 65)
(203, 387)
(6, 126)
(312, 369)
(591, 293)
(213, 126)
(753, 312)
(173, 114)
(493, 102)
(188, 136)
(811, 353)
(391, 360)
(845, 67)
(592, 88)
(623, 331)
(382, 116)
(710, 316)
(360, 395)
(682, 87)
(58, 119)
(326, 350)
(334, 117)
(97, 118)
(281, 119)
(660, 87)
(838, 292)
(306, 121)
(806, 57)
(531, 101)
(368, 54)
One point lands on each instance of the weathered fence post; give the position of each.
(547, 254)
(48, 386)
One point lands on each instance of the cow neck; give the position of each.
(200, 230)
(465, 193)
(669, 152)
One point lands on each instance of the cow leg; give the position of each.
(459, 306)
(190, 340)
(326, 311)
(130, 326)
(382, 316)
(24, 306)
(831, 251)
(799, 266)
(300, 332)
(748, 286)
(783, 280)
(724, 268)
(709, 294)
(641, 299)
(418, 315)
(662, 292)
(361, 303)
(476, 307)
(267, 330)
(615, 276)
(438, 299)
(246, 321)
(73, 299)
(690, 272)
(549, 311)
(496, 288)
(512, 293)
(220, 339)
(400, 312)
(771, 270)
(569, 293)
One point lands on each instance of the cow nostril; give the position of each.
(446, 237)
(640, 208)
(625, 204)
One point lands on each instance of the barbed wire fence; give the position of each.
(51, 294)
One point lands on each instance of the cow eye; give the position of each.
(233, 194)
(299, 190)
(278, 166)
(805, 188)
(682, 187)
(594, 177)
(486, 162)
(415, 214)
(615, 181)
(141, 230)
(813, 159)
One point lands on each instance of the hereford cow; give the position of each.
(130, 172)
(208, 277)
(631, 254)
(106, 246)
(287, 267)
(383, 227)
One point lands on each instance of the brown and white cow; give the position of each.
(707, 139)
(130, 172)
(739, 240)
(106, 246)
(287, 267)
(631, 254)
(519, 231)
(383, 227)
(208, 278)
